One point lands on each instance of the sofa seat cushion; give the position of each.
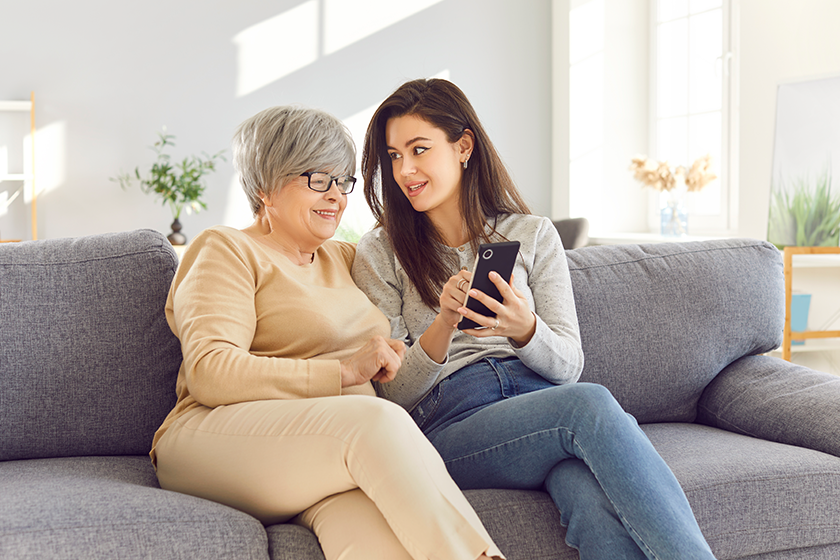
(287, 541)
(524, 524)
(750, 496)
(112, 507)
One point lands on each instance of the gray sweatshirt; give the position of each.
(541, 273)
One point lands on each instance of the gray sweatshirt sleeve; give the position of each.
(375, 271)
(555, 350)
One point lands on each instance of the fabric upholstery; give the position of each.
(775, 400)
(752, 496)
(658, 322)
(92, 508)
(525, 524)
(87, 361)
(574, 232)
(287, 541)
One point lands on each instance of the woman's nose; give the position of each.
(407, 167)
(333, 193)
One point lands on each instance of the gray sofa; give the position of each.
(676, 331)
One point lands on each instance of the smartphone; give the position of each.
(498, 257)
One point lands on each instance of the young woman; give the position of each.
(501, 404)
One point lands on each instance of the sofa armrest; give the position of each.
(775, 400)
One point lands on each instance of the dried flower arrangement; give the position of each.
(659, 175)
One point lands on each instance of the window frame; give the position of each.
(726, 167)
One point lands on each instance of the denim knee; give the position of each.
(592, 398)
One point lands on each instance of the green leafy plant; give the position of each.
(180, 184)
(803, 216)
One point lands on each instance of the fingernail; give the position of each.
(493, 276)
(473, 293)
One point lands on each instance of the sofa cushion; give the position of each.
(750, 496)
(524, 524)
(87, 361)
(658, 322)
(287, 541)
(111, 507)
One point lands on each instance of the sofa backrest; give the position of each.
(659, 321)
(87, 361)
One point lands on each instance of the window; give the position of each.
(691, 93)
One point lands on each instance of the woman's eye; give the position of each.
(394, 155)
(419, 150)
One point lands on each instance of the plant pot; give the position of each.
(800, 304)
(176, 237)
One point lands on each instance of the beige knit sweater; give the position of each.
(254, 326)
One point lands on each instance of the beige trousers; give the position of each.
(357, 469)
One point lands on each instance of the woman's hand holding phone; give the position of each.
(514, 318)
(452, 297)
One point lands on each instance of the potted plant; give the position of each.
(179, 185)
(804, 213)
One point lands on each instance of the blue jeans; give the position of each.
(497, 424)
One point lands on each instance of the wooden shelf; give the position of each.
(16, 105)
(818, 256)
(812, 345)
(15, 177)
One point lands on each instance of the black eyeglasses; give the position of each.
(321, 182)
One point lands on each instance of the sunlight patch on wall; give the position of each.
(276, 47)
(50, 159)
(346, 22)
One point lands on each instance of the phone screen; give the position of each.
(498, 257)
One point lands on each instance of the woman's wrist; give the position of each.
(437, 338)
(529, 335)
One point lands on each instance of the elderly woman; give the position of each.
(276, 415)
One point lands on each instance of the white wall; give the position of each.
(781, 40)
(107, 75)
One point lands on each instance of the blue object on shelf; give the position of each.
(799, 306)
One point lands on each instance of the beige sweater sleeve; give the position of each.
(213, 310)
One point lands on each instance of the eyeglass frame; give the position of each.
(333, 179)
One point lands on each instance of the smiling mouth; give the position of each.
(415, 187)
(326, 213)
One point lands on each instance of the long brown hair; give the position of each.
(487, 189)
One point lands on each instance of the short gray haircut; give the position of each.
(278, 144)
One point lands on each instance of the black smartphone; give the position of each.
(498, 257)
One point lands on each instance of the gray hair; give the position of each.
(278, 144)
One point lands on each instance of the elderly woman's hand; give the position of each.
(378, 360)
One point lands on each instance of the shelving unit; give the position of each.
(25, 106)
(817, 257)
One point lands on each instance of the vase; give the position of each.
(176, 237)
(674, 217)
